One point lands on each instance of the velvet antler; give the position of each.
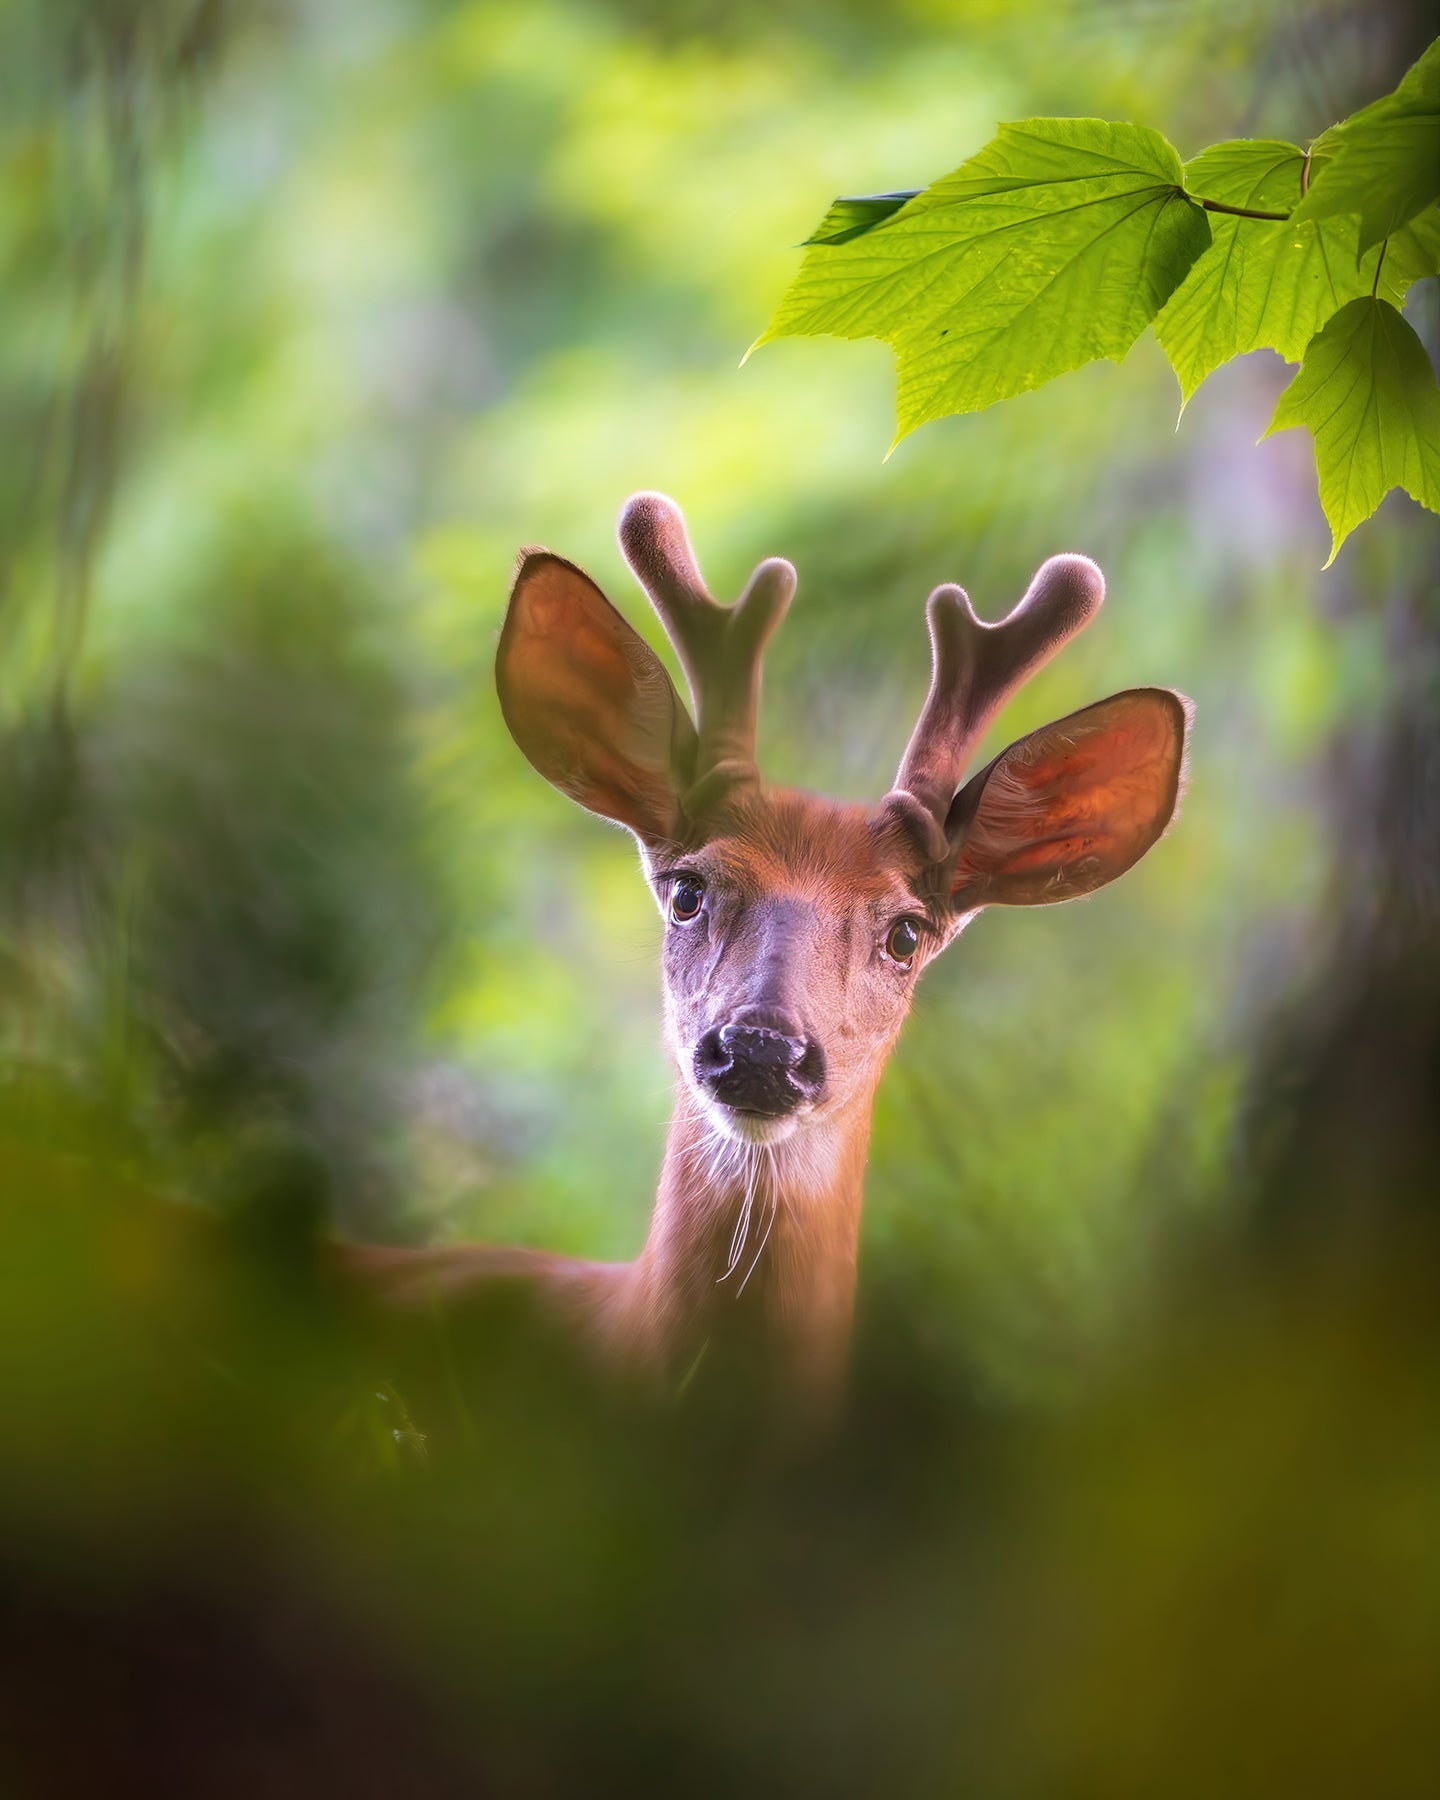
(720, 647)
(976, 667)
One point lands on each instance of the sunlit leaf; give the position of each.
(1368, 394)
(1267, 284)
(1384, 160)
(1056, 245)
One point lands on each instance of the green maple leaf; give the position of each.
(1273, 284)
(1384, 160)
(1054, 246)
(1368, 394)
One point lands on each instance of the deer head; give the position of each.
(796, 926)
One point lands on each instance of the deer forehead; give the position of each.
(838, 857)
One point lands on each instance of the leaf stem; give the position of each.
(1379, 265)
(1239, 212)
(1305, 176)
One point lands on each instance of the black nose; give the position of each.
(761, 1047)
(760, 1063)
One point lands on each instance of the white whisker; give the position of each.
(774, 1208)
(742, 1224)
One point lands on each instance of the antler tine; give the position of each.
(976, 667)
(720, 647)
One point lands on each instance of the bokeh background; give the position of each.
(311, 314)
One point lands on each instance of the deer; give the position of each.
(795, 926)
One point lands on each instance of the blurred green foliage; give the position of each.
(310, 315)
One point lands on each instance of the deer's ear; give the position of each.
(589, 702)
(1071, 806)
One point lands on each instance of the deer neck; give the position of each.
(753, 1248)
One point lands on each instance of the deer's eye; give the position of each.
(901, 942)
(686, 898)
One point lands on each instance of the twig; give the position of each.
(1239, 212)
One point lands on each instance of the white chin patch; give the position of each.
(750, 1128)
